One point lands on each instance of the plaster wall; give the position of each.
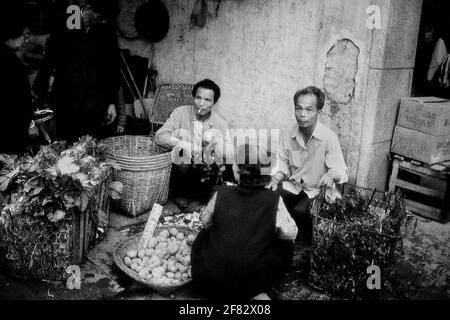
(261, 51)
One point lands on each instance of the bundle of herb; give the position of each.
(41, 200)
(354, 232)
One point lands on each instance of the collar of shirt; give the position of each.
(318, 134)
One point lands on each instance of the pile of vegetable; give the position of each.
(166, 259)
(360, 229)
(39, 196)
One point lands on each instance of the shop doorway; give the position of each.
(434, 31)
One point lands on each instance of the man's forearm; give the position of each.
(166, 140)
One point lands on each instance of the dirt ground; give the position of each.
(423, 267)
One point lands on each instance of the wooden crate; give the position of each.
(85, 230)
(426, 187)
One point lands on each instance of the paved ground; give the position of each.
(425, 261)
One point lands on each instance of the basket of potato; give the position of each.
(165, 263)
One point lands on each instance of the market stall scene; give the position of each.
(217, 149)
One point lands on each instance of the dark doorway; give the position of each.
(434, 25)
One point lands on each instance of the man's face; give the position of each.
(306, 111)
(204, 101)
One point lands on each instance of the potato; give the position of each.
(152, 243)
(173, 248)
(164, 233)
(186, 252)
(190, 239)
(132, 253)
(173, 239)
(149, 252)
(180, 236)
(141, 253)
(182, 268)
(149, 276)
(134, 266)
(172, 268)
(127, 261)
(161, 239)
(158, 272)
(174, 231)
(159, 253)
(170, 275)
(135, 260)
(155, 261)
(161, 245)
(165, 253)
(144, 273)
(185, 276)
(178, 275)
(186, 261)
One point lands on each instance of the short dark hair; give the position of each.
(207, 84)
(250, 174)
(320, 96)
(13, 23)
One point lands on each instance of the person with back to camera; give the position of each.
(247, 241)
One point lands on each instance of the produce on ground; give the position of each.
(166, 260)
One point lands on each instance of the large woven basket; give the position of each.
(168, 97)
(132, 243)
(145, 172)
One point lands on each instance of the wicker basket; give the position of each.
(132, 243)
(33, 247)
(145, 172)
(338, 265)
(168, 97)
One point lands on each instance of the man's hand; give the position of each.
(33, 130)
(111, 114)
(273, 185)
(120, 129)
(326, 181)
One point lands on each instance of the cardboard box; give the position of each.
(420, 146)
(425, 114)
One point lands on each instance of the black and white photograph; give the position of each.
(198, 152)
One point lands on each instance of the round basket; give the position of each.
(145, 172)
(132, 243)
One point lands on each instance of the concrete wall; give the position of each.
(261, 51)
(390, 73)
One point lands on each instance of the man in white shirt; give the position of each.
(201, 142)
(309, 158)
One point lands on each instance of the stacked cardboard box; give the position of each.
(423, 129)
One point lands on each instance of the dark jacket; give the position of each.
(240, 255)
(86, 79)
(15, 102)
